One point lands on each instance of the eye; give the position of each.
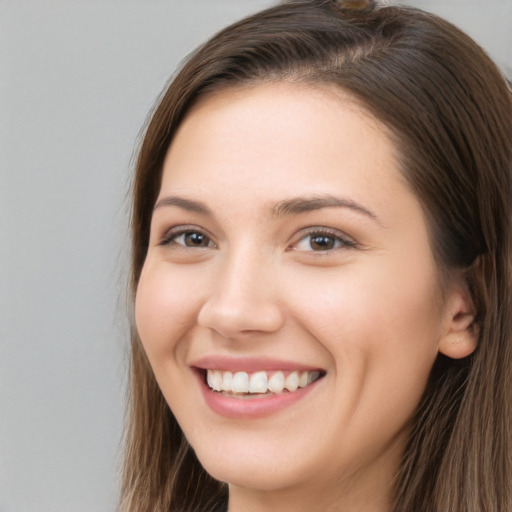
(187, 238)
(323, 241)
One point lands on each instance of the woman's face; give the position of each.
(286, 250)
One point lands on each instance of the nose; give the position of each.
(243, 299)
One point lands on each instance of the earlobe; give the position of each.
(458, 345)
(460, 336)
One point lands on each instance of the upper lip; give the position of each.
(249, 364)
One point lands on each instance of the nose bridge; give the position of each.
(243, 297)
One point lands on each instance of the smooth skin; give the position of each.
(284, 229)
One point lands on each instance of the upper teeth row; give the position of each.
(259, 382)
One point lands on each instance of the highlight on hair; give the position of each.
(449, 111)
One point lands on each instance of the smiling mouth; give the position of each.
(244, 384)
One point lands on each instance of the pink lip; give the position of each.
(248, 364)
(249, 408)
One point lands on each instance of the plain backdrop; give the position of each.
(77, 78)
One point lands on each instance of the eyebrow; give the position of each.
(299, 205)
(185, 204)
(292, 206)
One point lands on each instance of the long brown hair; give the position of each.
(449, 111)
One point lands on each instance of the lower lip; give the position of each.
(253, 407)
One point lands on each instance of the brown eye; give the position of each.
(195, 239)
(187, 238)
(322, 242)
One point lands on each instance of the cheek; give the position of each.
(380, 301)
(164, 307)
(380, 324)
(402, 339)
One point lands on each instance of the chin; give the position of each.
(252, 470)
(248, 476)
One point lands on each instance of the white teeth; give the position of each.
(276, 383)
(292, 381)
(227, 381)
(259, 382)
(240, 382)
(209, 378)
(216, 380)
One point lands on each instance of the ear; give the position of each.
(460, 331)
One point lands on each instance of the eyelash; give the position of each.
(174, 234)
(338, 240)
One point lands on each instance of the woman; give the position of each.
(321, 271)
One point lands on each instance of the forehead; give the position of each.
(278, 136)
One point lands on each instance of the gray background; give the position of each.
(76, 81)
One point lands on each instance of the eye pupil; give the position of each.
(194, 239)
(322, 242)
